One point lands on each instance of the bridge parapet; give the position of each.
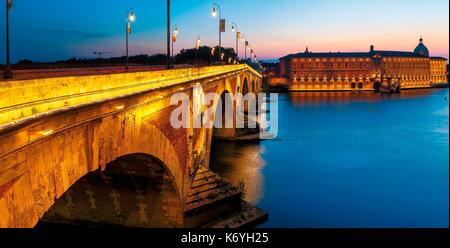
(22, 100)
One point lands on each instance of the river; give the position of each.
(348, 160)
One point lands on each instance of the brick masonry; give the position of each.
(42, 158)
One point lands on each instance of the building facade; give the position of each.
(363, 71)
(438, 70)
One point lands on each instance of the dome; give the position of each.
(421, 48)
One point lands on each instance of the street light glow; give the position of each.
(214, 11)
(132, 17)
(198, 42)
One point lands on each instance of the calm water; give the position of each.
(349, 160)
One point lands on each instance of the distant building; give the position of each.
(373, 70)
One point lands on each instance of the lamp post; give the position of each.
(212, 54)
(8, 71)
(216, 11)
(250, 50)
(168, 35)
(174, 39)
(234, 28)
(244, 39)
(130, 19)
(197, 46)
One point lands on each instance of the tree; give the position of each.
(188, 56)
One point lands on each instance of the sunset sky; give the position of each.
(46, 30)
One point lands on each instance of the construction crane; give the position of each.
(101, 53)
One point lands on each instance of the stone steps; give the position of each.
(211, 198)
(207, 195)
(249, 216)
(204, 181)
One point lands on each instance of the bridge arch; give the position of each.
(223, 102)
(245, 87)
(61, 159)
(136, 190)
(151, 140)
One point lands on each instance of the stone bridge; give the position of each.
(55, 131)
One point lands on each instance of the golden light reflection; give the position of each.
(36, 134)
(47, 132)
(237, 162)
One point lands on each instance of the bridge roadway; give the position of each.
(25, 74)
(54, 131)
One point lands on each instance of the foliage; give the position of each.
(204, 55)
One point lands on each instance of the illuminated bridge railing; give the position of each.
(23, 100)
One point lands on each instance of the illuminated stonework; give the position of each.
(364, 71)
(438, 69)
(21, 100)
(54, 131)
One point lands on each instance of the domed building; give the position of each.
(422, 49)
(372, 70)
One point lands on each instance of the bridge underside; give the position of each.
(134, 191)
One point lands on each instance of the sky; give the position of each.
(48, 30)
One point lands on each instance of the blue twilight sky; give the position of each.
(45, 30)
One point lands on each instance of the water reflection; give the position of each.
(345, 159)
(238, 162)
(325, 98)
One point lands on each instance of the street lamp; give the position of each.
(169, 60)
(216, 11)
(234, 28)
(244, 39)
(212, 54)
(174, 39)
(8, 71)
(249, 49)
(197, 46)
(131, 17)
